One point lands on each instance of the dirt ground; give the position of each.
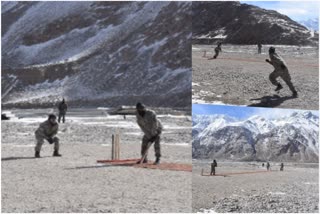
(76, 182)
(294, 190)
(240, 76)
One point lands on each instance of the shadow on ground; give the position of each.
(97, 166)
(16, 158)
(270, 101)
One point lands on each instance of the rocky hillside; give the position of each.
(291, 138)
(96, 53)
(236, 23)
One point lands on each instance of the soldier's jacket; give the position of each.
(46, 130)
(277, 61)
(213, 165)
(217, 49)
(63, 107)
(149, 124)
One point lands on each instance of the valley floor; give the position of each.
(76, 182)
(294, 190)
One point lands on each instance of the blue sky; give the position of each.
(296, 10)
(242, 112)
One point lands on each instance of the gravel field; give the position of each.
(294, 190)
(240, 76)
(75, 182)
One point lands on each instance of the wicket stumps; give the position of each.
(204, 54)
(115, 147)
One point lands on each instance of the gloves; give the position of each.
(50, 140)
(283, 66)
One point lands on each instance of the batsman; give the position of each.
(152, 128)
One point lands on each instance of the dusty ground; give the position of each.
(240, 76)
(76, 183)
(294, 190)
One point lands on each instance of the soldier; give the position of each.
(268, 166)
(259, 47)
(47, 131)
(213, 167)
(217, 50)
(281, 167)
(4, 117)
(152, 128)
(280, 70)
(262, 164)
(63, 107)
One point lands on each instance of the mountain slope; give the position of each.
(238, 23)
(96, 53)
(291, 138)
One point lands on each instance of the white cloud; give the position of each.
(273, 113)
(296, 10)
(299, 10)
(291, 11)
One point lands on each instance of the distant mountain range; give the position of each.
(97, 53)
(236, 23)
(290, 138)
(312, 24)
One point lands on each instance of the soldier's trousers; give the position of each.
(213, 171)
(61, 115)
(216, 55)
(145, 143)
(40, 141)
(284, 74)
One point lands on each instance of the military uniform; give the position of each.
(213, 168)
(268, 166)
(217, 51)
(280, 70)
(152, 128)
(259, 48)
(281, 167)
(62, 111)
(47, 131)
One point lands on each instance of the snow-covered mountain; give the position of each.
(312, 24)
(96, 53)
(236, 23)
(290, 138)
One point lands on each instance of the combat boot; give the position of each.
(37, 155)
(56, 154)
(157, 162)
(144, 161)
(295, 94)
(279, 87)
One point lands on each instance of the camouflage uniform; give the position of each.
(62, 111)
(268, 166)
(46, 131)
(259, 48)
(281, 167)
(213, 168)
(280, 70)
(217, 50)
(152, 128)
